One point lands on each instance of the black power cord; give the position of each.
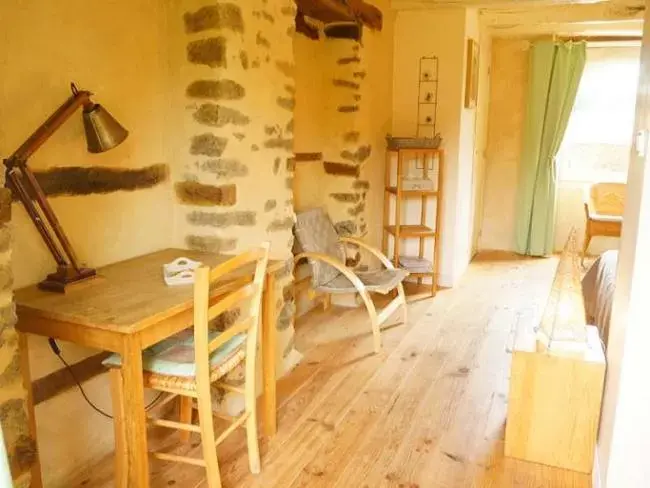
(57, 352)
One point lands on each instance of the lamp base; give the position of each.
(64, 278)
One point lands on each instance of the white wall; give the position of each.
(624, 440)
(417, 34)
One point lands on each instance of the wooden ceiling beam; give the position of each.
(328, 11)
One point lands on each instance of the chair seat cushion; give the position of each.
(175, 356)
(378, 281)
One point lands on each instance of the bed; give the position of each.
(598, 292)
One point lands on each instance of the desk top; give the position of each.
(126, 296)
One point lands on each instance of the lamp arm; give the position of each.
(17, 163)
(47, 128)
(17, 186)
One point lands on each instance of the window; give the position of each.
(596, 146)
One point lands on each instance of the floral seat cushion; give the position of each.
(175, 356)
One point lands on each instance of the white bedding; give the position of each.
(598, 292)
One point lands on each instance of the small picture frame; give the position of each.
(471, 76)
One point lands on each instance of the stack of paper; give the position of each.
(415, 264)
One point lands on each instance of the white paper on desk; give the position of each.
(180, 271)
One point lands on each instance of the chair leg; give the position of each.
(251, 439)
(250, 398)
(117, 392)
(586, 245)
(208, 440)
(185, 416)
(405, 311)
(374, 320)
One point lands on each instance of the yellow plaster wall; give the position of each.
(508, 84)
(116, 50)
(443, 33)
(36, 75)
(378, 49)
(481, 140)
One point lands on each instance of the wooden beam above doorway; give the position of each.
(328, 11)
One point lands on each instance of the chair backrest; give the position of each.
(234, 291)
(316, 233)
(607, 198)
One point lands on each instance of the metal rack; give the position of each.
(427, 97)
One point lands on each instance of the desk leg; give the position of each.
(269, 351)
(117, 396)
(37, 481)
(135, 428)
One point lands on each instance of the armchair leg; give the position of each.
(402, 295)
(374, 320)
(327, 302)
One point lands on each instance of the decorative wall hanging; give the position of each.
(427, 97)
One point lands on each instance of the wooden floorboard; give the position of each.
(428, 412)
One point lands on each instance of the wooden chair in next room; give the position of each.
(325, 251)
(188, 364)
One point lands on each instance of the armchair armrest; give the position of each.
(375, 252)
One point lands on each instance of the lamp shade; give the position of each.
(103, 132)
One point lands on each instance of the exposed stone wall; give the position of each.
(347, 147)
(343, 110)
(19, 443)
(233, 106)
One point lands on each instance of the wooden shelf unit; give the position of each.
(421, 231)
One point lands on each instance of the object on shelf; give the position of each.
(416, 264)
(180, 271)
(409, 184)
(395, 143)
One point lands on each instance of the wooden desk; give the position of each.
(128, 308)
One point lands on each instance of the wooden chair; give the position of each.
(186, 365)
(604, 204)
(325, 251)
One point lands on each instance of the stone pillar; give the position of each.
(19, 443)
(348, 148)
(234, 99)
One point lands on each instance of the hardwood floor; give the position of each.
(428, 412)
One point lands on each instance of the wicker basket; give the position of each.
(395, 143)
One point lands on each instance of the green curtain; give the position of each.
(555, 70)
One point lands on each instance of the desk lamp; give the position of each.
(103, 132)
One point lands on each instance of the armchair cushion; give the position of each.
(316, 233)
(378, 281)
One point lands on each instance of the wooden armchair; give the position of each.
(325, 251)
(604, 203)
